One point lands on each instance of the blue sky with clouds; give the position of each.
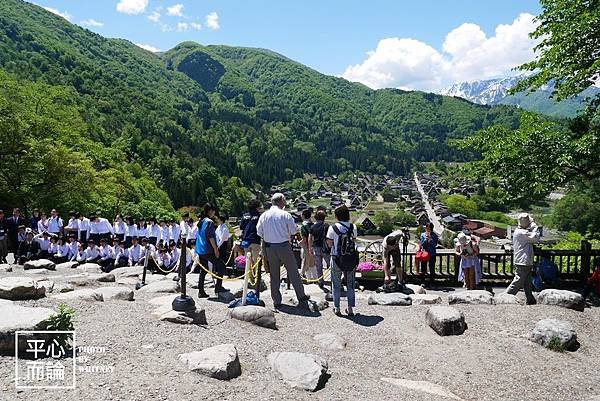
(425, 44)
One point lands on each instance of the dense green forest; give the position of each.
(204, 122)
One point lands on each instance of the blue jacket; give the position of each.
(205, 232)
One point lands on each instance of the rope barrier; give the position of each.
(197, 261)
(159, 268)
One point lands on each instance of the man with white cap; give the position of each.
(525, 235)
(276, 227)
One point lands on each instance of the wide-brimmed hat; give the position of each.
(463, 239)
(525, 220)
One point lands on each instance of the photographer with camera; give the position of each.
(391, 252)
(470, 269)
(428, 242)
(525, 235)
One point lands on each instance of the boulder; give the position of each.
(163, 300)
(20, 288)
(161, 286)
(425, 299)
(20, 318)
(219, 362)
(304, 371)
(47, 284)
(564, 298)
(90, 268)
(92, 280)
(475, 297)
(6, 268)
(63, 288)
(417, 289)
(507, 299)
(196, 316)
(445, 320)
(82, 295)
(105, 277)
(390, 299)
(39, 264)
(67, 266)
(330, 341)
(315, 304)
(424, 387)
(257, 315)
(128, 281)
(132, 271)
(547, 329)
(116, 293)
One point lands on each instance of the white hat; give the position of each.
(277, 197)
(463, 239)
(525, 220)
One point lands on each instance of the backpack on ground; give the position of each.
(347, 257)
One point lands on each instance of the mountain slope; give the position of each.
(197, 115)
(495, 92)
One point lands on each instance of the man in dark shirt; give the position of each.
(12, 225)
(250, 239)
(320, 251)
(28, 250)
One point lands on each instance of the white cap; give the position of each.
(525, 220)
(463, 239)
(277, 197)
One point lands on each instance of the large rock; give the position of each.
(128, 281)
(47, 284)
(116, 293)
(507, 299)
(6, 268)
(20, 318)
(219, 362)
(20, 288)
(548, 329)
(425, 299)
(92, 280)
(315, 304)
(167, 314)
(423, 386)
(81, 295)
(90, 268)
(445, 320)
(390, 299)
(39, 264)
(330, 341)
(67, 266)
(132, 271)
(304, 371)
(168, 286)
(257, 315)
(475, 297)
(564, 298)
(417, 289)
(162, 300)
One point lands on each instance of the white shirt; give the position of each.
(523, 240)
(90, 253)
(222, 234)
(73, 224)
(63, 250)
(73, 250)
(165, 234)
(120, 227)
(106, 252)
(153, 231)
(132, 231)
(163, 260)
(142, 231)
(276, 226)
(192, 231)
(120, 252)
(175, 232)
(176, 254)
(53, 249)
(42, 226)
(44, 243)
(84, 225)
(135, 254)
(332, 235)
(100, 226)
(55, 224)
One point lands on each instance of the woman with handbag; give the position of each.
(426, 251)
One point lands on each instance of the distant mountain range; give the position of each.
(495, 91)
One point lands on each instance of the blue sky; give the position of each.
(408, 41)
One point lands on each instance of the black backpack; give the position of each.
(347, 257)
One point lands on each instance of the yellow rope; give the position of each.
(197, 261)
(159, 268)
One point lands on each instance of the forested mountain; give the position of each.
(197, 117)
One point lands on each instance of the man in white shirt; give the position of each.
(276, 227)
(100, 228)
(175, 231)
(107, 256)
(153, 232)
(73, 224)
(55, 224)
(83, 228)
(91, 254)
(136, 253)
(524, 236)
(165, 232)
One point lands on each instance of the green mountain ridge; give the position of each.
(196, 117)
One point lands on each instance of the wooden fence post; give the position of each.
(586, 259)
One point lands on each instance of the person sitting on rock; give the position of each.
(28, 249)
(52, 248)
(107, 256)
(43, 239)
(121, 253)
(62, 252)
(136, 253)
(91, 253)
(73, 248)
(593, 283)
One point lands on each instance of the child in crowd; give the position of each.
(119, 228)
(121, 254)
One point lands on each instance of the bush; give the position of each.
(62, 321)
(555, 345)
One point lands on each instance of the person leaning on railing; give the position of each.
(525, 235)
(593, 283)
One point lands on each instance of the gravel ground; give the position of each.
(492, 360)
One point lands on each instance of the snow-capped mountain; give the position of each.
(489, 91)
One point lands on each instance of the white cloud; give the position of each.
(196, 26)
(212, 21)
(148, 47)
(154, 17)
(63, 14)
(92, 23)
(182, 26)
(468, 54)
(132, 6)
(175, 10)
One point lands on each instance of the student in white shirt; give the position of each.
(80, 254)
(100, 228)
(43, 224)
(119, 228)
(136, 252)
(153, 232)
(43, 239)
(55, 224)
(192, 231)
(165, 232)
(131, 231)
(52, 248)
(223, 235)
(142, 228)
(83, 228)
(175, 231)
(91, 254)
(73, 224)
(107, 257)
(163, 258)
(121, 254)
(62, 253)
(73, 248)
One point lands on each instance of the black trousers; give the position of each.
(83, 237)
(107, 265)
(59, 259)
(120, 237)
(431, 264)
(122, 262)
(218, 265)
(224, 251)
